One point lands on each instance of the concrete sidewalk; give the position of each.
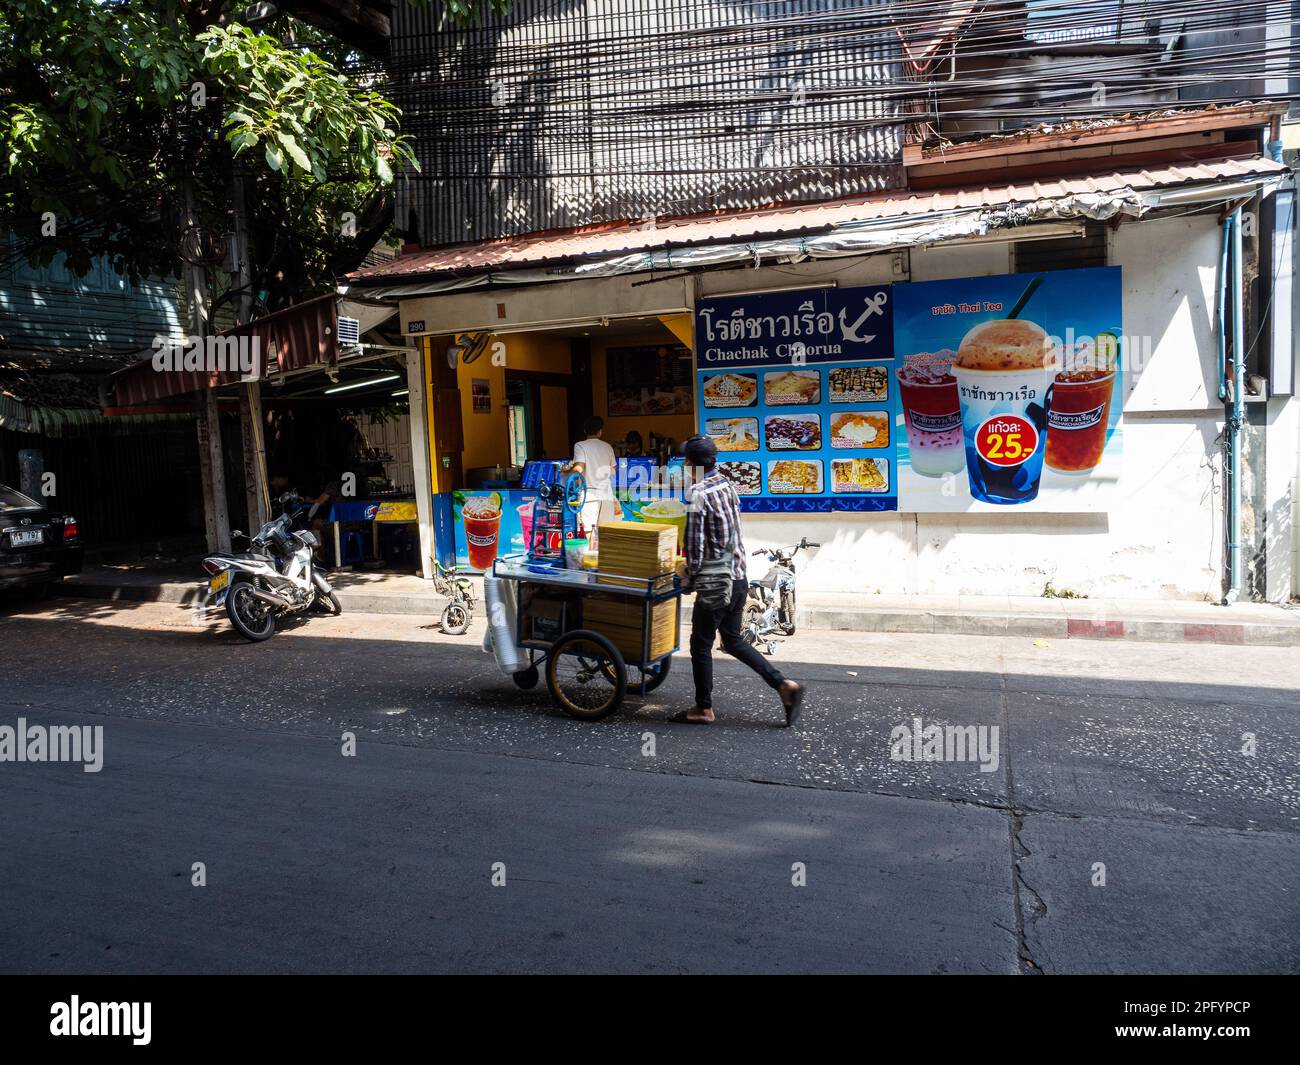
(1161, 621)
(1151, 620)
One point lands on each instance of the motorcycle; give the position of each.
(771, 604)
(276, 577)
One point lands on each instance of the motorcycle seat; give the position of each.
(763, 582)
(243, 556)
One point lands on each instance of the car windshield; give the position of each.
(13, 500)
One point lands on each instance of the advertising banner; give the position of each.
(489, 523)
(1010, 390)
(795, 388)
(971, 394)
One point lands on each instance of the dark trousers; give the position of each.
(705, 625)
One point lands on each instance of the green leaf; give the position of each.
(273, 157)
(295, 152)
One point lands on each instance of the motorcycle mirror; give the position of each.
(235, 533)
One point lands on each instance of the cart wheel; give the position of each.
(586, 675)
(654, 676)
(527, 678)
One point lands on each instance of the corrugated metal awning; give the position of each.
(305, 334)
(919, 217)
(19, 417)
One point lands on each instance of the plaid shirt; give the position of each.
(713, 511)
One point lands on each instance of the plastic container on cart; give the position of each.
(539, 471)
(574, 549)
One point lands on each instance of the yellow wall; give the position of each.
(678, 426)
(487, 436)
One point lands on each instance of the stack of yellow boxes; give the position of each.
(630, 550)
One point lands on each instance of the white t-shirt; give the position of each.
(598, 457)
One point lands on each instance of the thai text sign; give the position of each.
(795, 327)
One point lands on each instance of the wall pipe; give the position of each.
(1237, 416)
(1220, 309)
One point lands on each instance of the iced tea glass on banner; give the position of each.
(1080, 411)
(927, 390)
(1004, 370)
(481, 516)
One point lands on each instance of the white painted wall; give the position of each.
(1282, 491)
(1163, 540)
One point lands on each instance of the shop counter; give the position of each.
(371, 511)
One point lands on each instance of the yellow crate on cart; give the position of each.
(620, 619)
(635, 549)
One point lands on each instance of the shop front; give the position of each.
(324, 393)
(511, 410)
(979, 393)
(974, 395)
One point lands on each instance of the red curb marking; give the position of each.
(1086, 627)
(1215, 633)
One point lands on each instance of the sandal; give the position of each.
(793, 707)
(683, 717)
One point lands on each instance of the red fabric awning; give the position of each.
(305, 334)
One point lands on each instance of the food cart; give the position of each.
(588, 633)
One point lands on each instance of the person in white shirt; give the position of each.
(598, 458)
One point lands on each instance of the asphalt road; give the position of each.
(616, 859)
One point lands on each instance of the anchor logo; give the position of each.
(874, 305)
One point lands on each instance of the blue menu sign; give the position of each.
(815, 325)
(795, 388)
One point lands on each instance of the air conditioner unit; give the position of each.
(349, 331)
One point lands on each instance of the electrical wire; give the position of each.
(655, 106)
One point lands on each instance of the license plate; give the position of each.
(24, 539)
(219, 581)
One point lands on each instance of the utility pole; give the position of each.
(212, 471)
(251, 421)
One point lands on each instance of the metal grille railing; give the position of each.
(566, 112)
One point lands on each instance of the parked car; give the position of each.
(37, 545)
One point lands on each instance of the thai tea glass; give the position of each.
(1077, 422)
